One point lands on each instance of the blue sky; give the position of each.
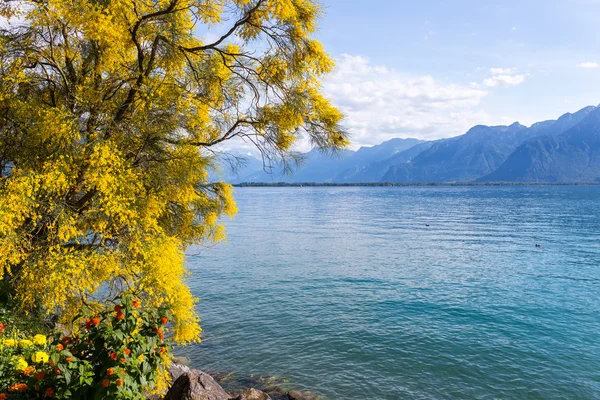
(432, 69)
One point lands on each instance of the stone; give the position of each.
(196, 385)
(254, 394)
(302, 395)
(176, 370)
(250, 394)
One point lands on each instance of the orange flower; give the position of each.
(163, 349)
(96, 321)
(118, 308)
(60, 347)
(110, 371)
(164, 320)
(58, 371)
(122, 360)
(127, 351)
(2, 330)
(49, 392)
(135, 304)
(105, 382)
(119, 382)
(28, 371)
(161, 336)
(3, 396)
(88, 323)
(120, 315)
(69, 359)
(18, 387)
(40, 375)
(113, 356)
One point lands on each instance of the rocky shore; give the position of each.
(193, 384)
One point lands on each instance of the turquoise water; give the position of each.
(347, 292)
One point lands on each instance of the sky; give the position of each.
(430, 69)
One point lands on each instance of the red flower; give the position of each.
(96, 321)
(135, 304)
(40, 375)
(49, 392)
(60, 347)
(119, 382)
(88, 323)
(118, 308)
(1, 329)
(65, 340)
(113, 356)
(120, 315)
(105, 382)
(127, 351)
(110, 371)
(3, 396)
(58, 371)
(164, 320)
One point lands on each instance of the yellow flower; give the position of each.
(10, 342)
(141, 358)
(40, 340)
(25, 343)
(40, 357)
(21, 364)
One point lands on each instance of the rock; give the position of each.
(302, 395)
(252, 394)
(176, 370)
(196, 385)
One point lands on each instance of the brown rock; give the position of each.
(196, 385)
(252, 394)
(302, 395)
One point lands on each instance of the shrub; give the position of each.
(118, 354)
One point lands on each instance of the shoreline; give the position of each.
(409, 184)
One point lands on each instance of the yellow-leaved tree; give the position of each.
(110, 111)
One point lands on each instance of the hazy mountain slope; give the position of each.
(374, 172)
(479, 152)
(464, 158)
(573, 156)
(323, 167)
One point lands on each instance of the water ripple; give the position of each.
(408, 293)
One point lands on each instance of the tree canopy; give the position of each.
(110, 111)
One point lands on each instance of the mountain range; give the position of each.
(563, 150)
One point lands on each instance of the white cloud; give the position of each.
(589, 65)
(501, 71)
(504, 80)
(381, 103)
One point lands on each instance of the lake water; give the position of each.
(408, 292)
